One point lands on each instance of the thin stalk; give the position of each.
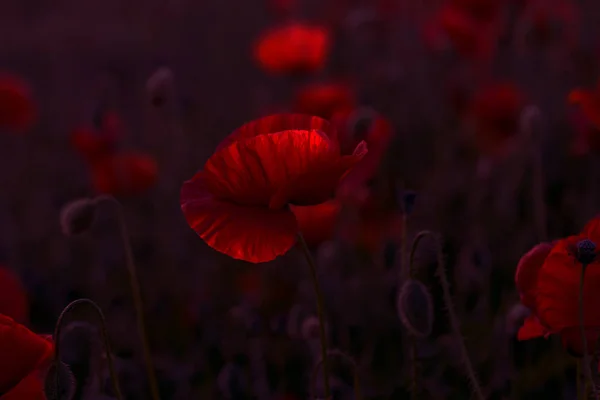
(408, 270)
(588, 369)
(56, 337)
(137, 296)
(320, 313)
(347, 358)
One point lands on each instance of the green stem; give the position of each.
(137, 296)
(587, 367)
(56, 337)
(320, 313)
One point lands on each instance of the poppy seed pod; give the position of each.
(586, 251)
(415, 308)
(77, 216)
(66, 382)
(160, 86)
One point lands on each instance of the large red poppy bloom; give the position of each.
(95, 143)
(548, 279)
(22, 353)
(293, 48)
(13, 297)
(238, 203)
(17, 108)
(124, 174)
(323, 99)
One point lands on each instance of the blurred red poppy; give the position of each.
(95, 143)
(483, 10)
(548, 278)
(589, 103)
(281, 7)
(124, 174)
(495, 110)
(356, 125)
(30, 388)
(238, 203)
(295, 48)
(22, 353)
(17, 108)
(13, 297)
(324, 99)
(317, 223)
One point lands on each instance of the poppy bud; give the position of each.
(415, 308)
(77, 216)
(159, 86)
(586, 251)
(66, 382)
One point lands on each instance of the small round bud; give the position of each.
(586, 251)
(415, 308)
(66, 382)
(77, 216)
(160, 86)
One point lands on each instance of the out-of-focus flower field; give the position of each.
(299, 199)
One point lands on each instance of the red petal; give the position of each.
(255, 170)
(13, 298)
(527, 272)
(531, 329)
(125, 174)
(317, 223)
(279, 123)
(571, 340)
(17, 109)
(324, 99)
(592, 230)
(254, 234)
(30, 388)
(22, 352)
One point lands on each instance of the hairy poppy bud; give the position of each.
(77, 216)
(66, 382)
(415, 308)
(586, 251)
(159, 86)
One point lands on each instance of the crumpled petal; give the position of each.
(531, 329)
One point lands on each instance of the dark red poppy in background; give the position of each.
(356, 125)
(22, 353)
(495, 111)
(295, 48)
(13, 297)
(482, 10)
(323, 99)
(548, 279)
(238, 203)
(17, 108)
(589, 102)
(124, 174)
(94, 143)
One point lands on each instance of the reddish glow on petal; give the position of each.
(279, 123)
(13, 297)
(531, 329)
(125, 174)
(571, 340)
(324, 99)
(22, 352)
(527, 272)
(17, 109)
(293, 48)
(30, 388)
(254, 234)
(317, 223)
(592, 230)
(589, 102)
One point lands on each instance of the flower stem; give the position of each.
(320, 313)
(137, 296)
(408, 272)
(57, 329)
(587, 367)
(350, 360)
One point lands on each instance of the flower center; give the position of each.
(586, 251)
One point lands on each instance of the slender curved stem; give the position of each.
(320, 313)
(137, 295)
(454, 324)
(347, 358)
(587, 367)
(56, 337)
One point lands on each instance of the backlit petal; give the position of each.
(527, 272)
(317, 223)
(531, 329)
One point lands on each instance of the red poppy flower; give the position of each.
(317, 223)
(589, 102)
(463, 31)
(30, 388)
(496, 111)
(13, 297)
(96, 143)
(22, 353)
(238, 203)
(324, 99)
(293, 48)
(551, 290)
(356, 125)
(124, 174)
(17, 108)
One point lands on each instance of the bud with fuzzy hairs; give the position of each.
(66, 381)
(159, 86)
(77, 216)
(415, 308)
